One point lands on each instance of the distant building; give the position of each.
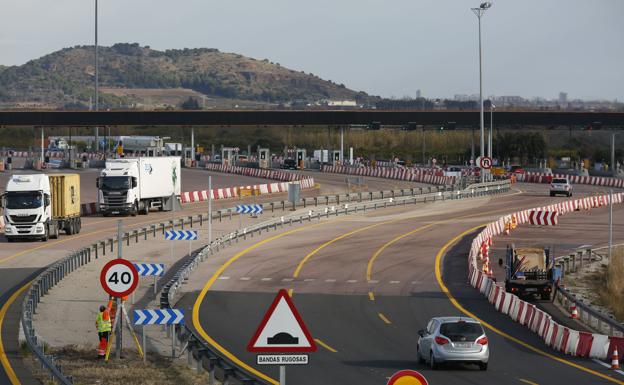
(418, 94)
(563, 98)
(341, 103)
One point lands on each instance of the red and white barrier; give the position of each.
(532, 177)
(431, 176)
(543, 218)
(558, 337)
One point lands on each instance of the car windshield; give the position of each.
(289, 161)
(562, 181)
(23, 200)
(461, 331)
(115, 183)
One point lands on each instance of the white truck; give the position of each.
(136, 185)
(38, 206)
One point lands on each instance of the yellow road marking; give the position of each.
(200, 298)
(445, 290)
(384, 318)
(290, 292)
(3, 357)
(371, 296)
(323, 344)
(527, 381)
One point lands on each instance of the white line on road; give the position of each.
(395, 282)
(607, 366)
(373, 281)
(287, 280)
(309, 280)
(330, 280)
(352, 281)
(224, 277)
(266, 279)
(245, 278)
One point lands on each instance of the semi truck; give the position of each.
(530, 272)
(136, 185)
(39, 206)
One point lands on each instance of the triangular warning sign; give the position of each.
(282, 330)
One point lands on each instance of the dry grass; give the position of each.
(612, 290)
(86, 369)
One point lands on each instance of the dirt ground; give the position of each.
(86, 369)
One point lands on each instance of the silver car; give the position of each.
(560, 186)
(453, 339)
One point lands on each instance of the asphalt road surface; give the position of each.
(19, 260)
(365, 284)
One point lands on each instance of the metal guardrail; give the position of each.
(57, 271)
(590, 316)
(217, 364)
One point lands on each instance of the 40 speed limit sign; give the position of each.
(119, 277)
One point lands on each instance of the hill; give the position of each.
(65, 78)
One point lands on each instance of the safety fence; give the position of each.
(413, 175)
(210, 358)
(532, 177)
(559, 337)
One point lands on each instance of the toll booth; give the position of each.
(228, 155)
(264, 158)
(301, 156)
(336, 156)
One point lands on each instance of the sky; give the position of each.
(390, 48)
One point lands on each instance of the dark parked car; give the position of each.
(289, 164)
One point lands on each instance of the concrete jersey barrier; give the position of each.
(414, 175)
(558, 337)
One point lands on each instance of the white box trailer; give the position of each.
(135, 185)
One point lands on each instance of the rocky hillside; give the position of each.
(65, 78)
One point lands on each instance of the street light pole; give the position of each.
(97, 70)
(492, 107)
(479, 12)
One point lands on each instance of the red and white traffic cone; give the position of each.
(573, 311)
(615, 360)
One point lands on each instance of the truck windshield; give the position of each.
(115, 183)
(23, 200)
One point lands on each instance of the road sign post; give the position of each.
(119, 278)
(282, 331)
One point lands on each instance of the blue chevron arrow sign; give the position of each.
(249, 209)
(159, 317)
(181, 235)
(146, 269)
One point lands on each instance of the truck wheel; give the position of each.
(47, 235)
(135, 210)
(69, 228)
(78, 225)
(143, 208)
(55, 232)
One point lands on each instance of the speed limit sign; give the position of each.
(119, 277)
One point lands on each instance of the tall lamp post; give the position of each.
(97, 70)
(479, 12)
(492, 107)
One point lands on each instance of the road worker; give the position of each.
(104, 326)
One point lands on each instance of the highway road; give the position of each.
(365, 284)
(19, 260)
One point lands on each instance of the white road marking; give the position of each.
(330, 280)
(607, 366)
(415, 282)
(266, 279)
(309, 280)
(224, 277)
(245, 278)
(287, 279)
(395, 282)
(373, 281)
(352, 281)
